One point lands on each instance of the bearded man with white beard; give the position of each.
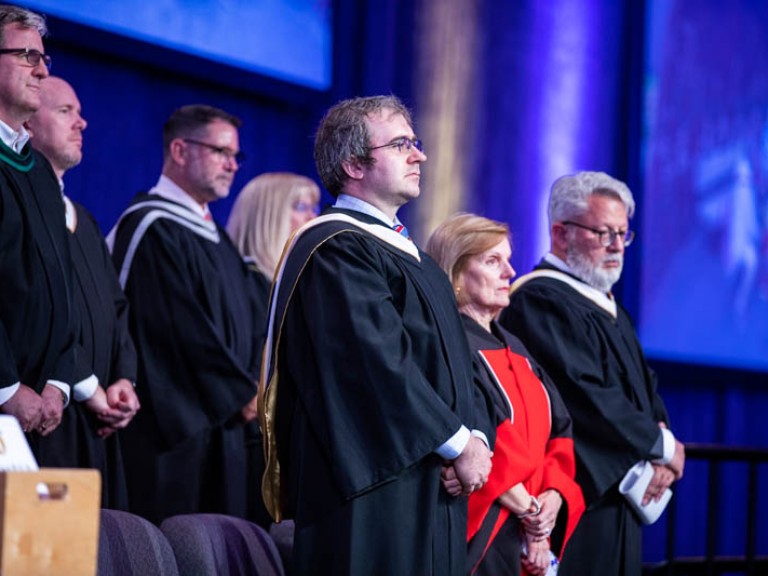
(568, 319)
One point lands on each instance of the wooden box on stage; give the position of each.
(49, 522)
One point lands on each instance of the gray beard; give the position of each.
(599, 278)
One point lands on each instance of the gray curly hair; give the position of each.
(570, 194)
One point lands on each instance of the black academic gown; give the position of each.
(37, 324)
(373, 375)
(191, 318)
(105, 346)
(599, 367)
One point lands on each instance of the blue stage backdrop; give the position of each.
(289, 40)
(705, 261)
(703, 283)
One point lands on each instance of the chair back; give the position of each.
(129, 545)
(213, 544)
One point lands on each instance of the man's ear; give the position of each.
(559, 234)
(178, 151)
(353, 168)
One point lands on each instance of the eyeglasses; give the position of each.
(607, 237)
(222, 152)
(303, 207)
(32, 56)
(401, 142)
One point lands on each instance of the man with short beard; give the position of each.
(192, 316)
(567, 317)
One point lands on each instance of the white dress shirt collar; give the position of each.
(347, 202)
(15, 140)
(169, 190)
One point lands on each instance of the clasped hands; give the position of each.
(469, 471)
(116, 406)
(537, 529)
(41, 412)
(665, 474)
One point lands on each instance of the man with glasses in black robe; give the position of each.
(565, 314)
(370, 389)
(37, 331)
(192, 317)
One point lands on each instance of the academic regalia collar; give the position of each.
(169, 190)
(347, 202)
(374, 226)
(23, 162)
(15, 149)
(553, 267)
(143, 212)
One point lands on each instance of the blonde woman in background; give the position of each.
(267, 210)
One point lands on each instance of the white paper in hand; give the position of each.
(15, 454)
(633, 487)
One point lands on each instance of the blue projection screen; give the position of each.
(705, 161)
(285, 39)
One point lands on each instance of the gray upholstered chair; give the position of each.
(132, 546)
(213, 544)
(282, 533)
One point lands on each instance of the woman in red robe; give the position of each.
(521, 519)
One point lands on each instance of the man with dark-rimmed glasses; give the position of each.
(566, 316)
(193, 321)
(37, 359)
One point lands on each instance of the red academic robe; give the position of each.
(533, 446)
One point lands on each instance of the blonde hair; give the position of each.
(460, 237)
(260, 221)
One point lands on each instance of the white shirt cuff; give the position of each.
(454, 446)
(63, 386)
(668, 441)
(7, 392)
(86, 388)
(480, 434)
